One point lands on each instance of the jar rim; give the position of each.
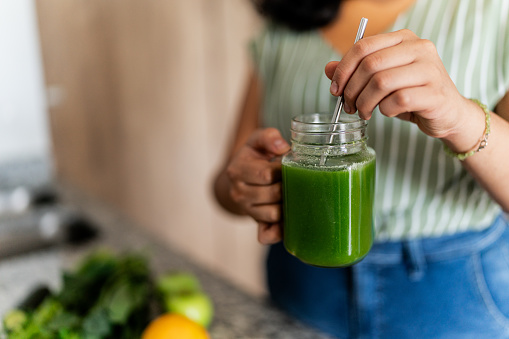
(317, 129)
(321, 123)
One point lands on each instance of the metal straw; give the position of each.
(339, 103)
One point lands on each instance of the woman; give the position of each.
(440, 264)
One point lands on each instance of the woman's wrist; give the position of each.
(470, 129)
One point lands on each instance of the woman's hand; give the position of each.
(405, 77)
(254, 174)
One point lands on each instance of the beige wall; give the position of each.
(149, 90)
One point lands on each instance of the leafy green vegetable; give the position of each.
(35, 298)
(14, 320)
(108, 296)
(96, 324)
(82, 288)
(64, 321)
(46, 311)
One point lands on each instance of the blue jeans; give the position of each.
(449, 287)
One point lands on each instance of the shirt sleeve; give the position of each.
(261, 50)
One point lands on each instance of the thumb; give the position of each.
(268, 140)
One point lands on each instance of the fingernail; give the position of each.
(279, 144)
(334, 88)
(347, 108)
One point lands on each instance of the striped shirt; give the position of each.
(420, 191)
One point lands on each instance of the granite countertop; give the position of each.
(237, 314)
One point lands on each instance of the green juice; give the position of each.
(328, 211)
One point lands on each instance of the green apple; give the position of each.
(176, 283)
(196, 306)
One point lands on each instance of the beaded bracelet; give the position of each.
(483, 141)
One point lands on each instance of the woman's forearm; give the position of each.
(490, 167)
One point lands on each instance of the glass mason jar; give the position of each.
(328, 190)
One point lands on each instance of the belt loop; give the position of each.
(414, 259)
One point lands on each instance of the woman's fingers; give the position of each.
(383, 83)
(382, 69)
(330, 68)
(265, 213)
(255, 178)
(347, 66)
(247, 194)
(404, 103)
(401, 55)
(268, 142)
(254, 171)
(406, 100)
(404, 76)
(269, 233)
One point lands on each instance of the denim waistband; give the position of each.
(436, 249)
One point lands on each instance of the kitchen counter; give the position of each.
(237, 314)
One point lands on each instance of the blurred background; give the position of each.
(129, 102)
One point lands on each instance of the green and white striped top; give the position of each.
(420, 192)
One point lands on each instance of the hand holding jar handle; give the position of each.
(254, 173)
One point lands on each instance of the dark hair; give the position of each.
(299, 15)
